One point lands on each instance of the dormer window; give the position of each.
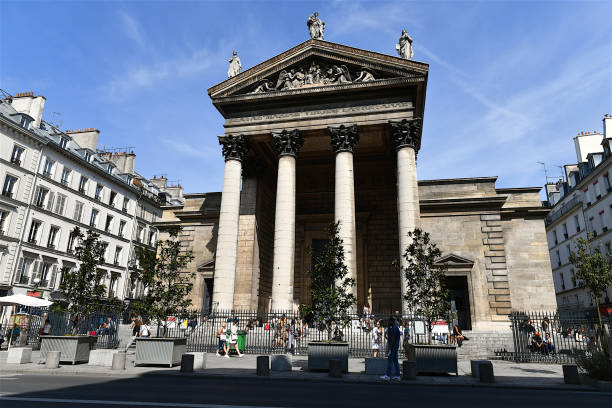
(63, 142)
(109, 170)
(87, 157)
(25, 121)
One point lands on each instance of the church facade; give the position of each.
(325, 132)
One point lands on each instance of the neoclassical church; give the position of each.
(325, 132)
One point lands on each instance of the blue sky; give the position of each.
(510, 83)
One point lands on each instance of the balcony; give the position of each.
(24, 280)
(605, 229)
(8, 194)
(44, 284)
(82, 190)
(64, 182)
(16, 161)
(51, 246)
(47, 173)
(32, 241)
(564, 209)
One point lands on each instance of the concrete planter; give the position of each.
(73, 349)
(320, 352)
(160, 350)
(433, 358)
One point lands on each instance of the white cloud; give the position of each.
(132, 29)
(185, 149)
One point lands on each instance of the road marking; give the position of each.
(132, 403)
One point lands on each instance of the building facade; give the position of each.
(581, 206)
(339, 142)
(54, 181)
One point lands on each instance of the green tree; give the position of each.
(83, 289)
(165, 280)
(594, 272)
(426, 291)
(330, 289)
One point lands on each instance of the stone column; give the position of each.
(234, 149)
(343, 140)
(287, 144)
(406, 138)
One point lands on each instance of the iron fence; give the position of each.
(27, 325)
(554, 337)
(271, 333)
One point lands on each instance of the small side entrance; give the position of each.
(459, 295)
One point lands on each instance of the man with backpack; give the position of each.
(393, 337)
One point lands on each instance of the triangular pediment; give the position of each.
(454, 260)
(318, 66)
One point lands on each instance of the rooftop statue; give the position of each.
(315, 26)
(235, 66)
(404, 48)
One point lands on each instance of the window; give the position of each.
(94, 217)
(109, 223)
(23, 270)
(9, 185)
(48, 167)
(555, 236)
(3, 218)
(142, 211)
(78, 211)
(60, 204)
(105, 245)
(109, 169)
(83, 184)
(25, 121)
(111, 200)
(602, 221)
(573, 278)
(126, 202)
(41, 197)
(558, 258)
(121, 228)
(44, 275)
(63, 142)
(569, 251)
(71, 239)
(117, 258)
(33, 232)
(562, 281)
(98, 194)
(87, 157)
(113, 284)
(577, 223)
(66, 176)
(140, 234)
(151, 238)
(53, 232)
(565, 234)
(17, 155)
(597, 190)
(607, 183)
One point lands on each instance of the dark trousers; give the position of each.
(392, 360)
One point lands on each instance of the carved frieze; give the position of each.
(344, 138)
(406, 133)
(288, 142)
(234, 147)
(315, 74)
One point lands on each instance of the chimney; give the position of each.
(607, 126)
(86, 138)
(123, 160)
(160, 182)
(26, 102)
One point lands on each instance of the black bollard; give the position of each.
(263, 365)
(187, 363)
(409, 370)
(570, 374)
(335, 368)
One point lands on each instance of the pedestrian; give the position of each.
(234, 337)
(393, 336)
(406, 337)
(45, 329)
(145, 329)
(222, 336)
(291, 345)
(376, 339)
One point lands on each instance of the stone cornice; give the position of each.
(344, 138)
(288, 142)
(234, 147)
(326, 49)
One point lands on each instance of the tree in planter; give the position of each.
(167, 285)
(593, 271)
(83, 289)
(425, 281)
(330, 289)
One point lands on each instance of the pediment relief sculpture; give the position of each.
(313, 75)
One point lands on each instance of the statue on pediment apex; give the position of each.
(404, 47)
(315, 26)
(235, 66)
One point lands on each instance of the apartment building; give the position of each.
(581, 206)
(54, 181)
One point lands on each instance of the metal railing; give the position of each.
(555, 215)
(554, 337)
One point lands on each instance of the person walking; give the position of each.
(291, 345)
(376, 339)
(222, 336)
(393, 336)
(145, 329)
(234, 338)
(135, 326)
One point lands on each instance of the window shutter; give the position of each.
(36, 192)
(50, 201)
(35, 272)
(53, 277)
(19, 269)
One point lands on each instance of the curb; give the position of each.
(272, 377)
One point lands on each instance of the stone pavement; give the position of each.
(507, 374)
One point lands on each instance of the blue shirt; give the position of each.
(393, 336)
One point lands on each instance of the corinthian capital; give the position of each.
(234, 147)
(344, 138)
(288, 142)
(406, 133)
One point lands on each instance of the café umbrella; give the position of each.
(23, 300)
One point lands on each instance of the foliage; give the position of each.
(83, 289)
(426, 291)
(593, 271)
(331, 295)
(167, 284)
(596, 364)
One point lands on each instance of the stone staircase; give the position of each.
(482, 345)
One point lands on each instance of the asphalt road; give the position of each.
(26, 391)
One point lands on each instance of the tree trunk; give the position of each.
(603, 338)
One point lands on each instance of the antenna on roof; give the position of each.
(562, 172)
(5, 94)
(545, 171)
(55, 120)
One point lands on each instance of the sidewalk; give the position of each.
(507, 374)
